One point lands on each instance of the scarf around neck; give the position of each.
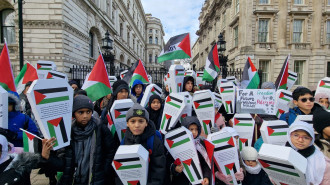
(253, 170)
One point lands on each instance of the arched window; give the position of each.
(91, 45)
(150, 40)
(156, 40)
(156, 56)
(150, 58)
(7, 25)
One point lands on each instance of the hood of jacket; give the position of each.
(187, 121)
(137, 82)
(186, 79)
(13, 97)
(148, 131)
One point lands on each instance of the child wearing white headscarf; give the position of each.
(301, 138)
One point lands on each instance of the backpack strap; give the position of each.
(150, 141)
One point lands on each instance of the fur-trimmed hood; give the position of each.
(24, 162)
(13, 97)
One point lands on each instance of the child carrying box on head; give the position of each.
(141, 130)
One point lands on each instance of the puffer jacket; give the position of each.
(157, 158)
(104, 152)
(290, 116)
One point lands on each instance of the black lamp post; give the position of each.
(107, 55)
(222, 58)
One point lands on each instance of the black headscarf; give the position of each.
(155, 115)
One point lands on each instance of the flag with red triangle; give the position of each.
(30, 142)
(6, 72)
(178, 47)
(97, 84)
(282, 79)
(56, 128)
(139, 73)
(209, 146)
(27, 74)
(111, 125)
(212, 65)
(250, 77)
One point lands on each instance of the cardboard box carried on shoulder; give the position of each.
(112, 79)
(180, 143)
(283, 164)
(225, 153)
(56, 75)
(199, 78)
(323, 86)
(188, 107)
(305, 118)
(282, 100)
(150, 90)
(274, 132)
(244, 125)
(228, 94)
(131, 164)
(176, 73)
(118, 114)
(43, 67)
(173, 108)
(3, 108)
(203, 103)
(51, 101)
(291, 79)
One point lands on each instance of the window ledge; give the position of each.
(300, 45)
(234, 20)
(326, 46)
(265, 45)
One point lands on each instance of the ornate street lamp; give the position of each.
(107, 46)
(222, 58)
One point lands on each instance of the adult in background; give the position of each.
(74, 85)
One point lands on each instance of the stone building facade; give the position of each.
(70, 32)
(268, 31)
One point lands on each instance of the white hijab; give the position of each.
(316, 161)
(4, 153)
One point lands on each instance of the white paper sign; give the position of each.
(244, 125)
(188, 107)
(203, 102)
(291, 79)
(51, 102)
(283, 98)
(283, 164)
(274, 132)
(228, 94)
(118, 114)
(225, 153)
(323, 86)
(3, 108)
(305, 118)
(199, 79)
(56, 75)
(176, 73)
(112, 79)
(43, 67)
(180, 143)
(257, 101)
(150, 90)
(173, 108)
(131, 164)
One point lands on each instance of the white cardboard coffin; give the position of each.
(3, 108)
(180, 143)
(188, 107)
(228, 94)
(291, 79)
(217, 98)
(305, 118)
(176, 73)
(150, 90)
(283, 164)
(173, 108)
(51, 102)
(43, 67)
(274, 132)
(190, 73)
(118, 114)
(167, 79)
(203, 103)
(232, 79)
(122, 74)
(131, 164)
(257, 101)
(244, 125)
(199, 78)
(112, 80)
(283, 98)
(323, 86)
(225, 153)
(56, 75)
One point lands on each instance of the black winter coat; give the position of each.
(103, 156)
(256, 179)
(157, 158)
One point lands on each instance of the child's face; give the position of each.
(300, 139)
(251, 163)
(10, 107)
(122, 94)
(137, 125)
(138, 89)
(188, 86)
(194, 130)
(83, 116)
(304, 102)
(324, 102)
(155, 104)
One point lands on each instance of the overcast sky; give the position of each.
(177, 16)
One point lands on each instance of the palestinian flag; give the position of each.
(97, 83)
(53, 75)
(57, 129)
(156, 90)
(282, 79)
(292, 76)
(139, 73)
(203, 103)
(279, 167)
(182, 117)
(28, 73)
(121, 112)
(137, 182)
(44, 66)
(246, 122)
(175, 102)
(285, 96)
(325, 84)
(250, 76)
(30, 142)
(227, 89)
(127, 163)
(242, 142)
(178, 139)
(206, 126)
(212, 65)
(279, 113)
(166, 121)
(179, 72)
(229, 106)
(179, 87)
(218, 98)
(224, 143)
(191, 169)
(122, 133)
(178, 47)
(209, 146)
(231, 167)
(277, 130)
(111, 126)
(6, 73)
(199, 74)
(51, 95)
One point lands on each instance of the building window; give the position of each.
(298, 2)
(236, 36)
(156, 40)
(297, 31)
(133, 44)
(329, 2)
(150, 58)
(156, 56)
(263, 30)
(264, 67)
(7, 26)
(91, 45)
(224, 19)
(128, 38)
(150, 40)
(299, 68)
(237, 6)
(121, 30)
(263, 1)
(328, 31)
(156, 31)
(328, 69)
(150, 31)
(113, 13)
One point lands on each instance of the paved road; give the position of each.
(37, 179)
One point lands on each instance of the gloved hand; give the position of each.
(224, 178)
(239, 175)
(8, 134)
(214, 129)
